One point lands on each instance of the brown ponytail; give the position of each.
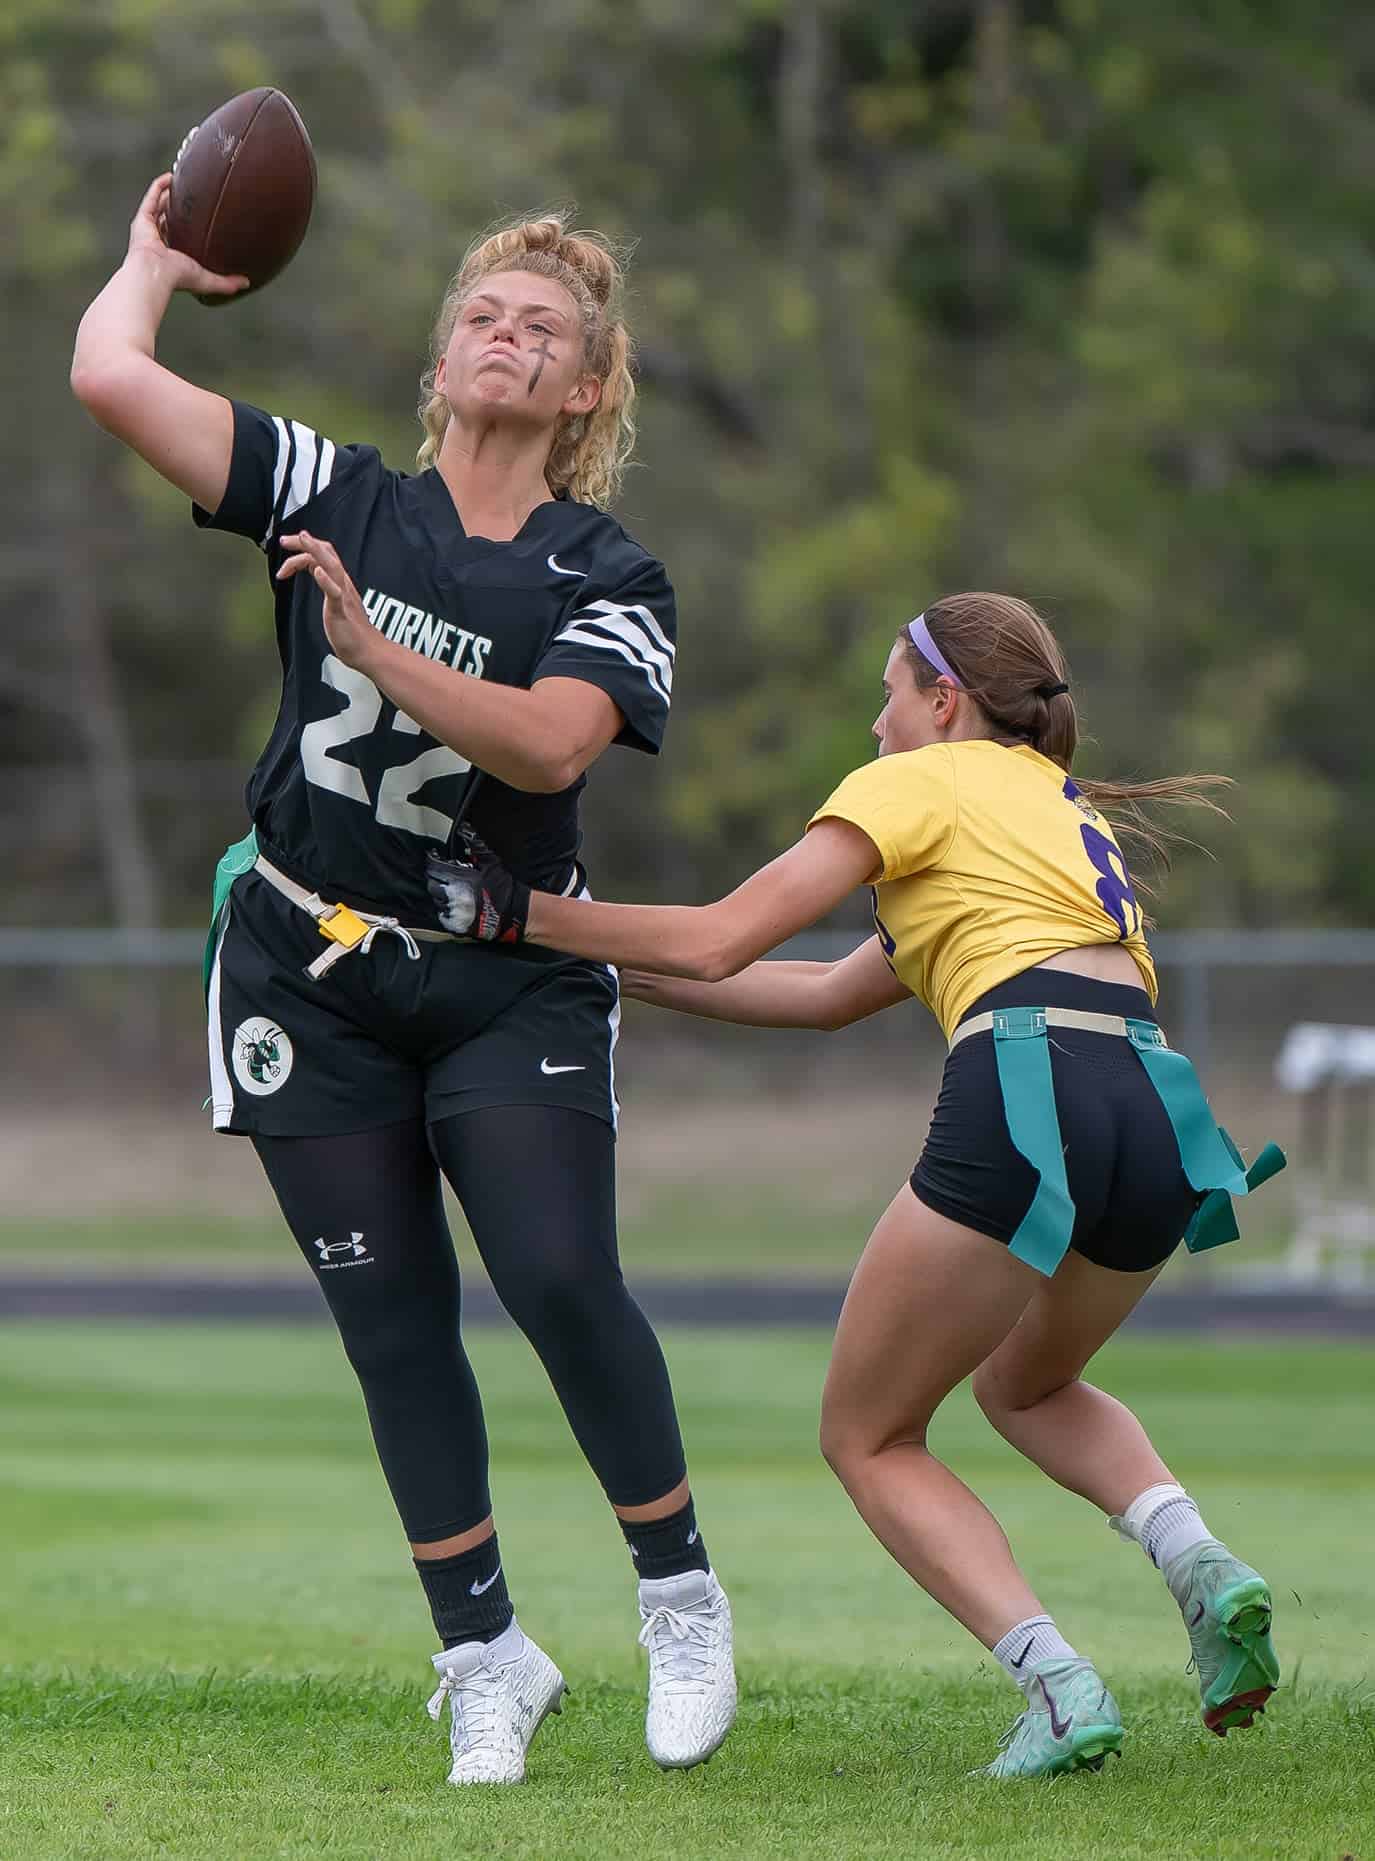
(1010, 663)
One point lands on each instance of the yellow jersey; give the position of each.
(992, 861)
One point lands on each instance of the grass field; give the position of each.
(213, 1645)
(807, 1230)
(793, 1188)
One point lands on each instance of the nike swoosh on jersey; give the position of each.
(581, 574)
(545, 1067)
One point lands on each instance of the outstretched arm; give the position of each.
(184, 432)
(782, 994)
(710, 942)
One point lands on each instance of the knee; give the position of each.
(850, 1448)
(384, 1351)
(391, 1328)
(1001, 1393)
(987, 1385)
(562, 1301)
(834, 1444)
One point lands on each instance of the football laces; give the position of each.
(185, 145)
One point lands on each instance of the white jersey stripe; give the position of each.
(303, 468)
(618, 621)
(597, 609)
(302, 471)
(638, 643)
(636, 659)
(278, 473)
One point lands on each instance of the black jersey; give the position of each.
(350, 794)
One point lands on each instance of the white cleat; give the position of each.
(687, 1630)
(500, 1693)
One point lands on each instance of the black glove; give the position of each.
(474, 895)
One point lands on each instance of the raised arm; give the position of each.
(781, 993)
(185, 433)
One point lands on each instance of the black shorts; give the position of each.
(382, 1038)
(1132, 1200)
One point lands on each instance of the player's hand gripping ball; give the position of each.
(242, 190)
(475, 896)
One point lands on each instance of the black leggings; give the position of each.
(537, 1184)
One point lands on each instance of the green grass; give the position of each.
(669, 1231)
(674, 1231)
(214, 1646)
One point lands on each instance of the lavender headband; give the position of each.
(920, 635)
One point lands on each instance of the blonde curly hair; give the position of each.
(590, 451)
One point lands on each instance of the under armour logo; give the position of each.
(353, 1246)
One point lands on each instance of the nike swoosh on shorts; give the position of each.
(545, 1067)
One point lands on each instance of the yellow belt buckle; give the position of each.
(343, 926)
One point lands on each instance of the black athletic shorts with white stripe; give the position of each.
(383, 1037)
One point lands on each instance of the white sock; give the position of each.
(1030, 1642)
(1164, 1521)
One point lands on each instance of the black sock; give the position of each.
(467, 1594)
(666, 1547)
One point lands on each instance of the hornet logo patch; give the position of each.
(262, 1057)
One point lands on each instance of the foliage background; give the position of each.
(1071, 297)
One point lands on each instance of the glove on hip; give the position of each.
(474, 894)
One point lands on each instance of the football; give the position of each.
(243, 186)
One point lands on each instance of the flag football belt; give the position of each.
(1210, 1160)
(346, 929)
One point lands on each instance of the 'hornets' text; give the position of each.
(427, 633)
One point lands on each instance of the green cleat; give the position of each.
(1227, 1609)
(1071, 1723)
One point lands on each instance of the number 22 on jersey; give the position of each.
(400, 780)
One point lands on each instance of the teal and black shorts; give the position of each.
(1132, 1200)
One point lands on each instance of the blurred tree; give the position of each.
(1066, 296)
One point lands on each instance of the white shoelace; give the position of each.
(474, 1696)
(1012, 1731)
(679, 1646)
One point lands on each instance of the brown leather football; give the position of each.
(243, 186)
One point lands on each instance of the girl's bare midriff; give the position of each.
(1104, 962)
